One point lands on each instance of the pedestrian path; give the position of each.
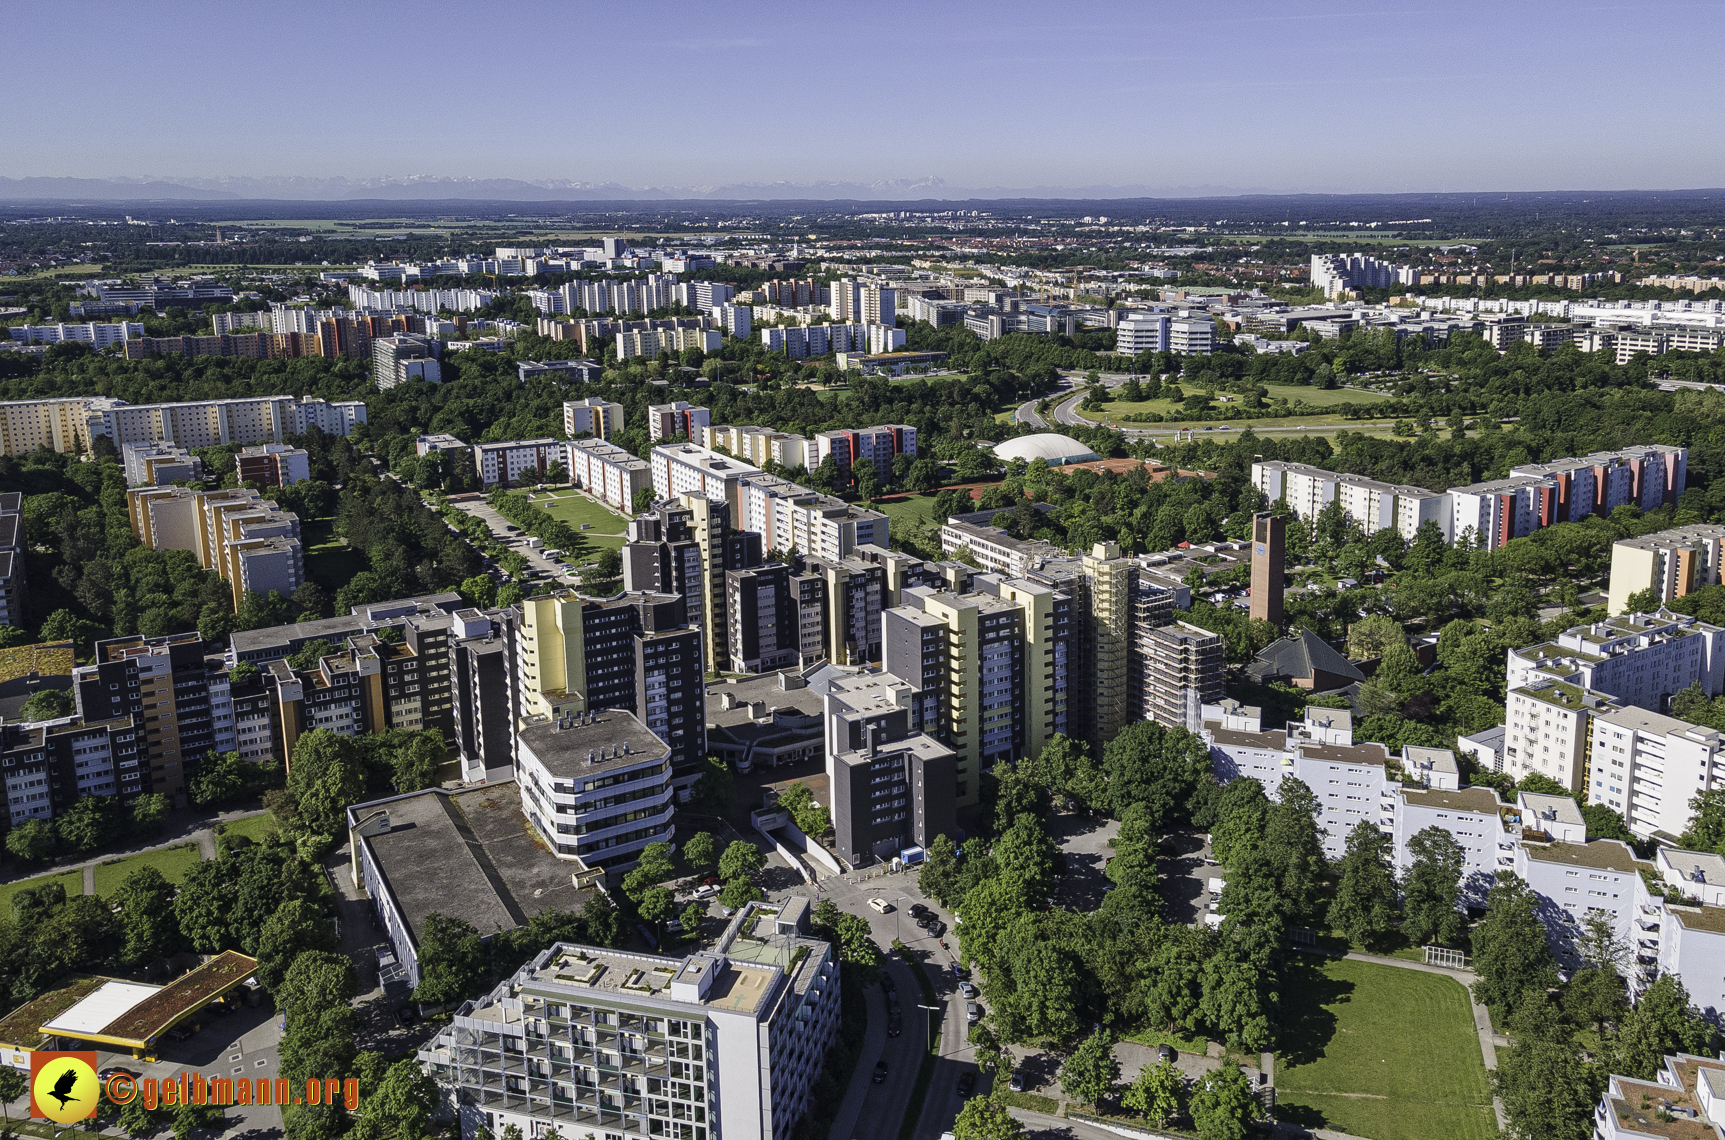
(203, 834)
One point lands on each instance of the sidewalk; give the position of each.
(200, 830)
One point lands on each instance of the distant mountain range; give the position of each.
(419, 188)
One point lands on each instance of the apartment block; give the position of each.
(593, 416)
(651, 342)
(516, 461)
(880, 445)
(990, 671)
(891, 786)
(483, 693)
(398, 359)
(1671, 563)
(759, 445)
(1639, 659)
(852, 596)
(762, 607)
(177, 692)
(733, 320)
(635, 653)
(1547, 730)
(688, 469)
(596, 785)
(437, 441)
(50, 765)
(565, 372)
(607, 472)
(801, 342)
(273, 465)
(72, 424)
(1494, 512)
(685, 546)
(674, 420)
(237, 533)
(13, 577)
(789, 516)
(97, 336)
(721, 1043)
(1648, 767)
(158, 465)
(1175, 667)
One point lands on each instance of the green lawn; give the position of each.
(172, 862)
(574, 508)
(329, 561)
(911, 515)
(253, 827)
(1316, 397)
(73, 881)
(1381, 1052)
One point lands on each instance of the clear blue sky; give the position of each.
(1327, 96)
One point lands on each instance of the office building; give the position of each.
(720, 1043)
(763, 612)
(1671, 563)
(1648, 768)
(1140, 331)
(516, 461)
(680, 419)
(1269, 539)
(596, 785)
(564, 371)
(608, 472)
(273, 465)
(12, 573)
(398, 359)
(891, 786)
(635, 652)
(1639, 659)
(1193, 334)
(685, 546)
(769, 721)
(439, 441)
(159, 465)
(593, 416)
(990, 671)
(176, 689)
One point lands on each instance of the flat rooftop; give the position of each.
(1478, 799)
(468, 855)
(595, 743)
(1606, 854)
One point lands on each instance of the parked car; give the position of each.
(880, 1072)
(879, 906)
(894, 1024)
(968, 989)
(936, 928)
(1166, 1053)
(706, 891)
(966, 1082)
(1016, 1084)
(918, 911)
(181, 1032)
(972, 1012)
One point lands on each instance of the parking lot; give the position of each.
(511, 536)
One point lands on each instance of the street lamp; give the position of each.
(896, 911)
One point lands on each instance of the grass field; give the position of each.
(253, 827)
(329, 561)
(1381, 1052)
(1316, 397)
(73, 881)
(911, 515)
(172, 862)
(575, 508)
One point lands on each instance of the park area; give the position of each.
(605, 526)
(1381, 1052)
(1319, 398)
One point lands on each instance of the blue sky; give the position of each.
(1328, 96)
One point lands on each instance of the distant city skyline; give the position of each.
(1097, 99)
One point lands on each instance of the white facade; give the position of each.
(733, 320)
(594, 415)
(1193, 335)
(1140, 332)
(1640, 659)
(1648, 767)
(607, 472)
(885, 338)
(516, 461)
(1495, 512)
(688, 469)
(816, 340)
(97, 336)
(1547, 730)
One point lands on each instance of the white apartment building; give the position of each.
(1647, 768)
(1374, 505)
(516, 461)
(1547, 729)
(885, 338)
(97, 336)
(593, 416)
(574, 773)
(733, 320)
(878, 305)
(1640, 659)
(608, 472)
(68, 424)
(688, 468)
(1671, 563)
(1577, 880)
(880, 445)
(799, 342)
(631, 343)
(439, 441)
(668, 421)
(787, 515)
(719, 1045)
(760, 445)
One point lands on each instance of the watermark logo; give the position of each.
(63, 1086)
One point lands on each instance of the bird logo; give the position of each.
(63, 1086)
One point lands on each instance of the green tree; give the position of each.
(652, 867)
(700, 851)
(150, 813)
(1373, 635)
(49, 704)
(1661, 1024)
(325, 777)
(451, 960)
(1090, 1073)
(479, 591)
(1242, 814)
(1156, 1092)
(1026, 852)
(739, 893)
(714, 791)
(1511, 958)
(221, 778)
(148, 928)
(939, 869)
(599, 917)
(1222, 1106)
(984, 1118)
(317, 979)
(294, 928)
(418, 761)
(90, 823)
(32, 841)
(657, 907)
(401, 1107)
(1549, 1088)
(1432, 889)
(1365, 904)
(606, 571)
(12, 1086)
(1154, 766)
(741, 860)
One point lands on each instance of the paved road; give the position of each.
(511, 536)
